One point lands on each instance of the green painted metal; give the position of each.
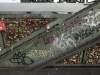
(72, 59)
(2, 41)
(65, 37)
(89, 57)
(34, 15)
(25, 41)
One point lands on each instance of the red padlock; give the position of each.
(32, 27)
(32, 22)
(46, 22)
(2, 26)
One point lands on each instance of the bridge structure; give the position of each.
(34, 42)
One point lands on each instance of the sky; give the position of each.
(18, 1)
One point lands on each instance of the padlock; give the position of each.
(32, 22)
(32, 27)
(46, 22)
(24, 19)
(28, 33)
(24, 31)
(11, 33)
(2, 26)
(21, 36)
